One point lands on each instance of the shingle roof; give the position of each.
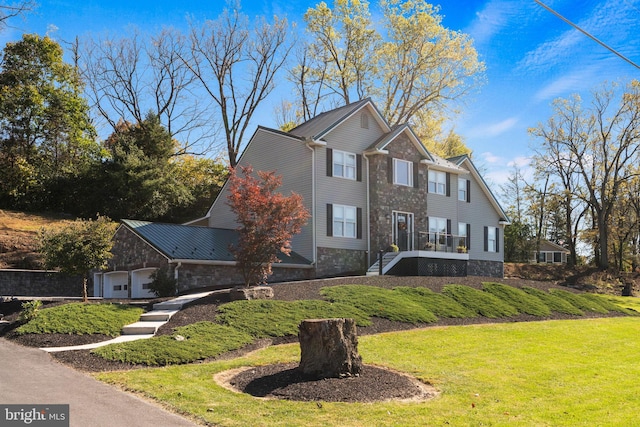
(188, 242)
(324, 122)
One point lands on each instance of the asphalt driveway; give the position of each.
(31, 376)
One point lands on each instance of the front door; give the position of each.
(403, 230)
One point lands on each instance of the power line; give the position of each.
(588, 35)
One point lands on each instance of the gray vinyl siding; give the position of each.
(349, 137)
(480, 213)
(294, 164)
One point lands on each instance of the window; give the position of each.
(402, 172)
(463, 235)
(492, 239)
(344, 221)
(344, 164)
(437, 230)
(463, 190)
(437, 182)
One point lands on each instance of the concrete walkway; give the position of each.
(146, 327)
(30, 376)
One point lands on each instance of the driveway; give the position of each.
(31, 376)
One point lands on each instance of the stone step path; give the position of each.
(148, 324)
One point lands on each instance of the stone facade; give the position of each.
(340, 262)
(386, 197)
(485, 268)
(130, 252)
(39, 283)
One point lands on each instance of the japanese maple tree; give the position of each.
(267, 221)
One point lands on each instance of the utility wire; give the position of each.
(588, 35)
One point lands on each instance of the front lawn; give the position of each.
(548, 373)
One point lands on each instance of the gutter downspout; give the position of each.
(175, 274)
(313, 202)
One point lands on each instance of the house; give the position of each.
(550, 253)
(370, 188)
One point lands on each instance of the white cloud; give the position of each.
(495, 16)
(490, 157)
(494, 129)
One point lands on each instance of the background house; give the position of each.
(550, 253)
(368, 186)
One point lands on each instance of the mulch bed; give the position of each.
(283, 381)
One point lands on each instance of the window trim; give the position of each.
(344, 165)
(440, 176)
(409, 175)
(344, 221)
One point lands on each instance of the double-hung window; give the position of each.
(437, 182)
(492, 239)
(437, 230)
(402, 172)
(462, 190)
(344, 221)
(344, 164)
(463, 235)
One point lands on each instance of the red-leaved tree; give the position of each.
(267, 221)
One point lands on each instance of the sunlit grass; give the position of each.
(548, 373)
(82, 318)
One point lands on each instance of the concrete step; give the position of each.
(142, 328)
(168, 305)
(157, 315)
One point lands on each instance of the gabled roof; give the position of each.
(381, 144)
(459, 161)
(548, 244)
(323, 123)
(187, 242)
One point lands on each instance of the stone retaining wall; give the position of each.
(39, 283)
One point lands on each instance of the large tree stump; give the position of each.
(329, 348)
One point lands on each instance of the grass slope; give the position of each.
(576, 372)
(81, 318)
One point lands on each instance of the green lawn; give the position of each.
(548, 373)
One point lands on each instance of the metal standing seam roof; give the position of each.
(188, 242)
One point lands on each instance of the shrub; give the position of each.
(162, 284)
(522, 301)
(30, 310)
(554, 302)
(483, 303)
(579, 301)
(380, 302)
(441, 305)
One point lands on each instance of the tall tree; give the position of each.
(411, 65)
(15, 10)
(236, 61)
(141, 180)
(129, 76)
(267, 221)
(599, 145)
(45, 130)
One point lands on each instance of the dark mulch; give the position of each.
(284, 381)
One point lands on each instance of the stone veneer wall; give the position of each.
(130, 252)
(194, 276)
(39, 284)
(485, 268)
(385, 197)
(335, 262)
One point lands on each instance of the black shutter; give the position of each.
(468, 237)
(359, 223)
(329, 220)
(359, 167)
(390, 170)
(448, 184)
(416, 174)
(497, 239)
(468, 191)
(329, 162)
(449, 237)
(486, 239)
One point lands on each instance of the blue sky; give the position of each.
(531, 56)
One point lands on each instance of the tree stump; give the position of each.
(329, 348)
